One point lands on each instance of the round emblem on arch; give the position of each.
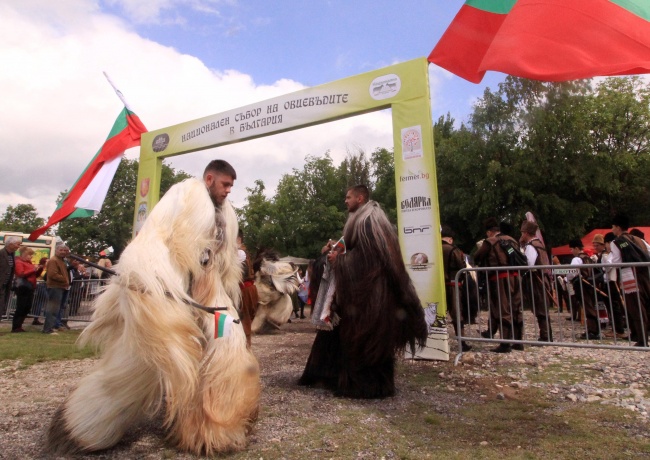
(385, 87)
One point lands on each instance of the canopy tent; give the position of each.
(588, 238)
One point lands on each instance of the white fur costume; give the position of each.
(158, 352)
(275, 282)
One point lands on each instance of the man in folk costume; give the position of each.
(503, 287)
(453, 261)
(635, 281)
(376, 305)
(537, 286)
(585, 290)
(159, 347)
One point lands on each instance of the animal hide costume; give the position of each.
(159, 352)
(378, 309)
(275, 282)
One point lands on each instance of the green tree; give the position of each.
(21, 218)
(114, 224)
(383, 174)
(570, 152)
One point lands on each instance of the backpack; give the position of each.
(630, 252)
(515, 257)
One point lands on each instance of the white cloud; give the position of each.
(166, 11)
(59, 108)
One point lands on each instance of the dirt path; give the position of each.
(438, 408)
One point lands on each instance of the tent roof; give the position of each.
(588, 238)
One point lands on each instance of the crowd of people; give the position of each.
(52, 288)
(624, 291)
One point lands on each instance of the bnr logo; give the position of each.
(410, 177)
(421, 230)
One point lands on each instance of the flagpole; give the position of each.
(118, 92)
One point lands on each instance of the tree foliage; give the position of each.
(114, 224)
(573, 153)
(308, 206)
(21, 218)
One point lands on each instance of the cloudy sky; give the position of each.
(177, 60)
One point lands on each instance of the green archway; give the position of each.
(404, 88)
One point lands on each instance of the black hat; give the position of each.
(609, 237)
(621, 220)
(505, 228)
(447, 232)
(576, 243)
(638, 233)
(491, 223)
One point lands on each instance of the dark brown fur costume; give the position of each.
(379, 309)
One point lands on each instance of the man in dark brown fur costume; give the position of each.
(375, 311)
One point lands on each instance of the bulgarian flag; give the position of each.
(550, 40)
(87, 195)
(223, 325)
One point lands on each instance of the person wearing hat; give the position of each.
(583, 285)
(504, 290)
(537, 287)
(635, 281)
(453, 261)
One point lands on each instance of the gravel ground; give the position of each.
(29, 397)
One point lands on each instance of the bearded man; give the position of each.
(375, 311)
(161, 348)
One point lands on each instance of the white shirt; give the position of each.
(574, 273)
(531, 254)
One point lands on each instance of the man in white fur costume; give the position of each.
(158, 351)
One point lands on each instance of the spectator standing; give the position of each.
(612, 289)
(7, 268)
(40, 295)
(635, 281)
(538, 285)
(453, 261)
(504, 290)
(58, 281)
(26, 274)
(582, 280)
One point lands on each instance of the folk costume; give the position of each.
(379, 311)
(635, 284)
(158, 351)
(503, 288)
(453, 261)
(537, 288)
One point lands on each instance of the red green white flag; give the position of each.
(223, 325)
(87, 195)
(550, 40)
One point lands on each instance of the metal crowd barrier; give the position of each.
(591, 312)
(78, 305)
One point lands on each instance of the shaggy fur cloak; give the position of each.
(158, 352)
(380, 312)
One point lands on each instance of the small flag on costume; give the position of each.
(339, 246)
(222, 325)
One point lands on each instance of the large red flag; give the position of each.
(550, 40)
(125, 134)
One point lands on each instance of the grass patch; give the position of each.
(33, 346)
(523, 426)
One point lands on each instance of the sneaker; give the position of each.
(50, 332)
(56, 329)
(20, 329)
